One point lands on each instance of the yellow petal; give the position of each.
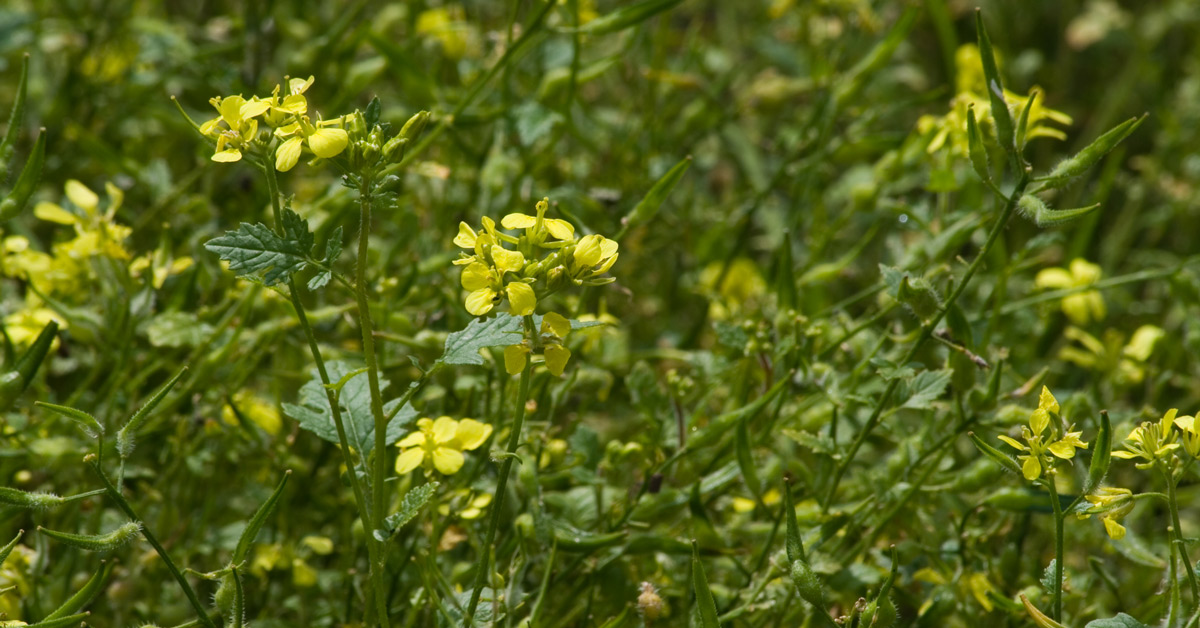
(476, 276)
(299, 85)
(1084, 272)
(1114, 529)
(1167, 420)
(1078, 308)
(1124, 455)
(447, 460)
(1186, 423)
(253, 108)
(608, 248)
(521, 298)
(1031, 468)
(508, 261)
(116, 196)
(416, 439)
(1062, 449)
(326, 143)
(480, 302)
(514, 358)
(1039, 421)
(228, 155)
(465, 237)
(518, 221)
(603, 268)
(409, 459)
(1095, 303)
(444, 429)
(587, 251)
(231, 110)
(1054, 278)
(556, 324)
(556, 358)
(471, 433)
(81, 196)
(288, 154)
(295, 104)
(53, 213)
(1012, 442)
(1047, 402)
(560, 229)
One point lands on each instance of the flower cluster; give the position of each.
(950, 131)
(553, 332)
(1083, 306)
(1036, 461)
(1111, 504)
(235, 129)
(1151, 441)
(493, 272)
(439, 444)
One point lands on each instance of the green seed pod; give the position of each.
(31, 501)
(1086, 158)
(919, 297)
(116, 539)
(807, 584)
(223, 598)
(879, 614)
(15, 381)
(26, 184)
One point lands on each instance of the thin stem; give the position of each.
(368, 340)
(123, 504)
(1173, 505)
(1056, 609)
(360, 500)
(927, 333)
(514, 439)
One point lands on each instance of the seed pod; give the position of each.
(84, 595)
(976, 149)
(116, 539)
(1036, 210)
(14, 382)
(1086, 158)
(224, 596)
(125, 434)
(995, 89)
(1101, 454)
(995, 454)
(919, 297)
(30, 501)
(879, 613)
(807, 584)
(87, 422)
(26, 185)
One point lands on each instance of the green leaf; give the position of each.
(995, 89)
(746, 461)
(462, 347)
(85, 420)
(257, 521)
(704, 598)
(626, 16)
(333, 250)
(533, 121)
(61, 622)
(256, 248)
(648, 207)
(410, 506)
(1120, 621)
(926, 387)
(177, 329)
(354, 398)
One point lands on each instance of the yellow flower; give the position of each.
(1036, 461)
(554, 330)
(1150, 441)
(1191, 435)
(324, 139)
(1112, 504)
(439, 444)
(24, 325)
(536, 227)
(282, 108)
(254, 409)
(241, 127)
(1083, 306)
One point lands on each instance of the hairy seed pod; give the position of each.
(116, 539)
(31, 501)
(223, 598)
(879, 614)
(807, 583)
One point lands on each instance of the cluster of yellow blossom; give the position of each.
(1036, 460)
(67, 270)
(494, 272)
(950, 131)
(439, 444)
(235, 129)
(1084, 305)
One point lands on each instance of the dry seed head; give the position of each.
(650, 605)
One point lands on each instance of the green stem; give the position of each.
(927, 333)
(360, 500)
(150, 538)
(368, 341)
(1056, 609)
(514, 439)
(1173, 505)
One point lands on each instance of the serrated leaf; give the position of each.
(354, 398)
(256, 248)
(333, 250)
(410, 506)
(1120, 621)
(463, 347)
(926, 387)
